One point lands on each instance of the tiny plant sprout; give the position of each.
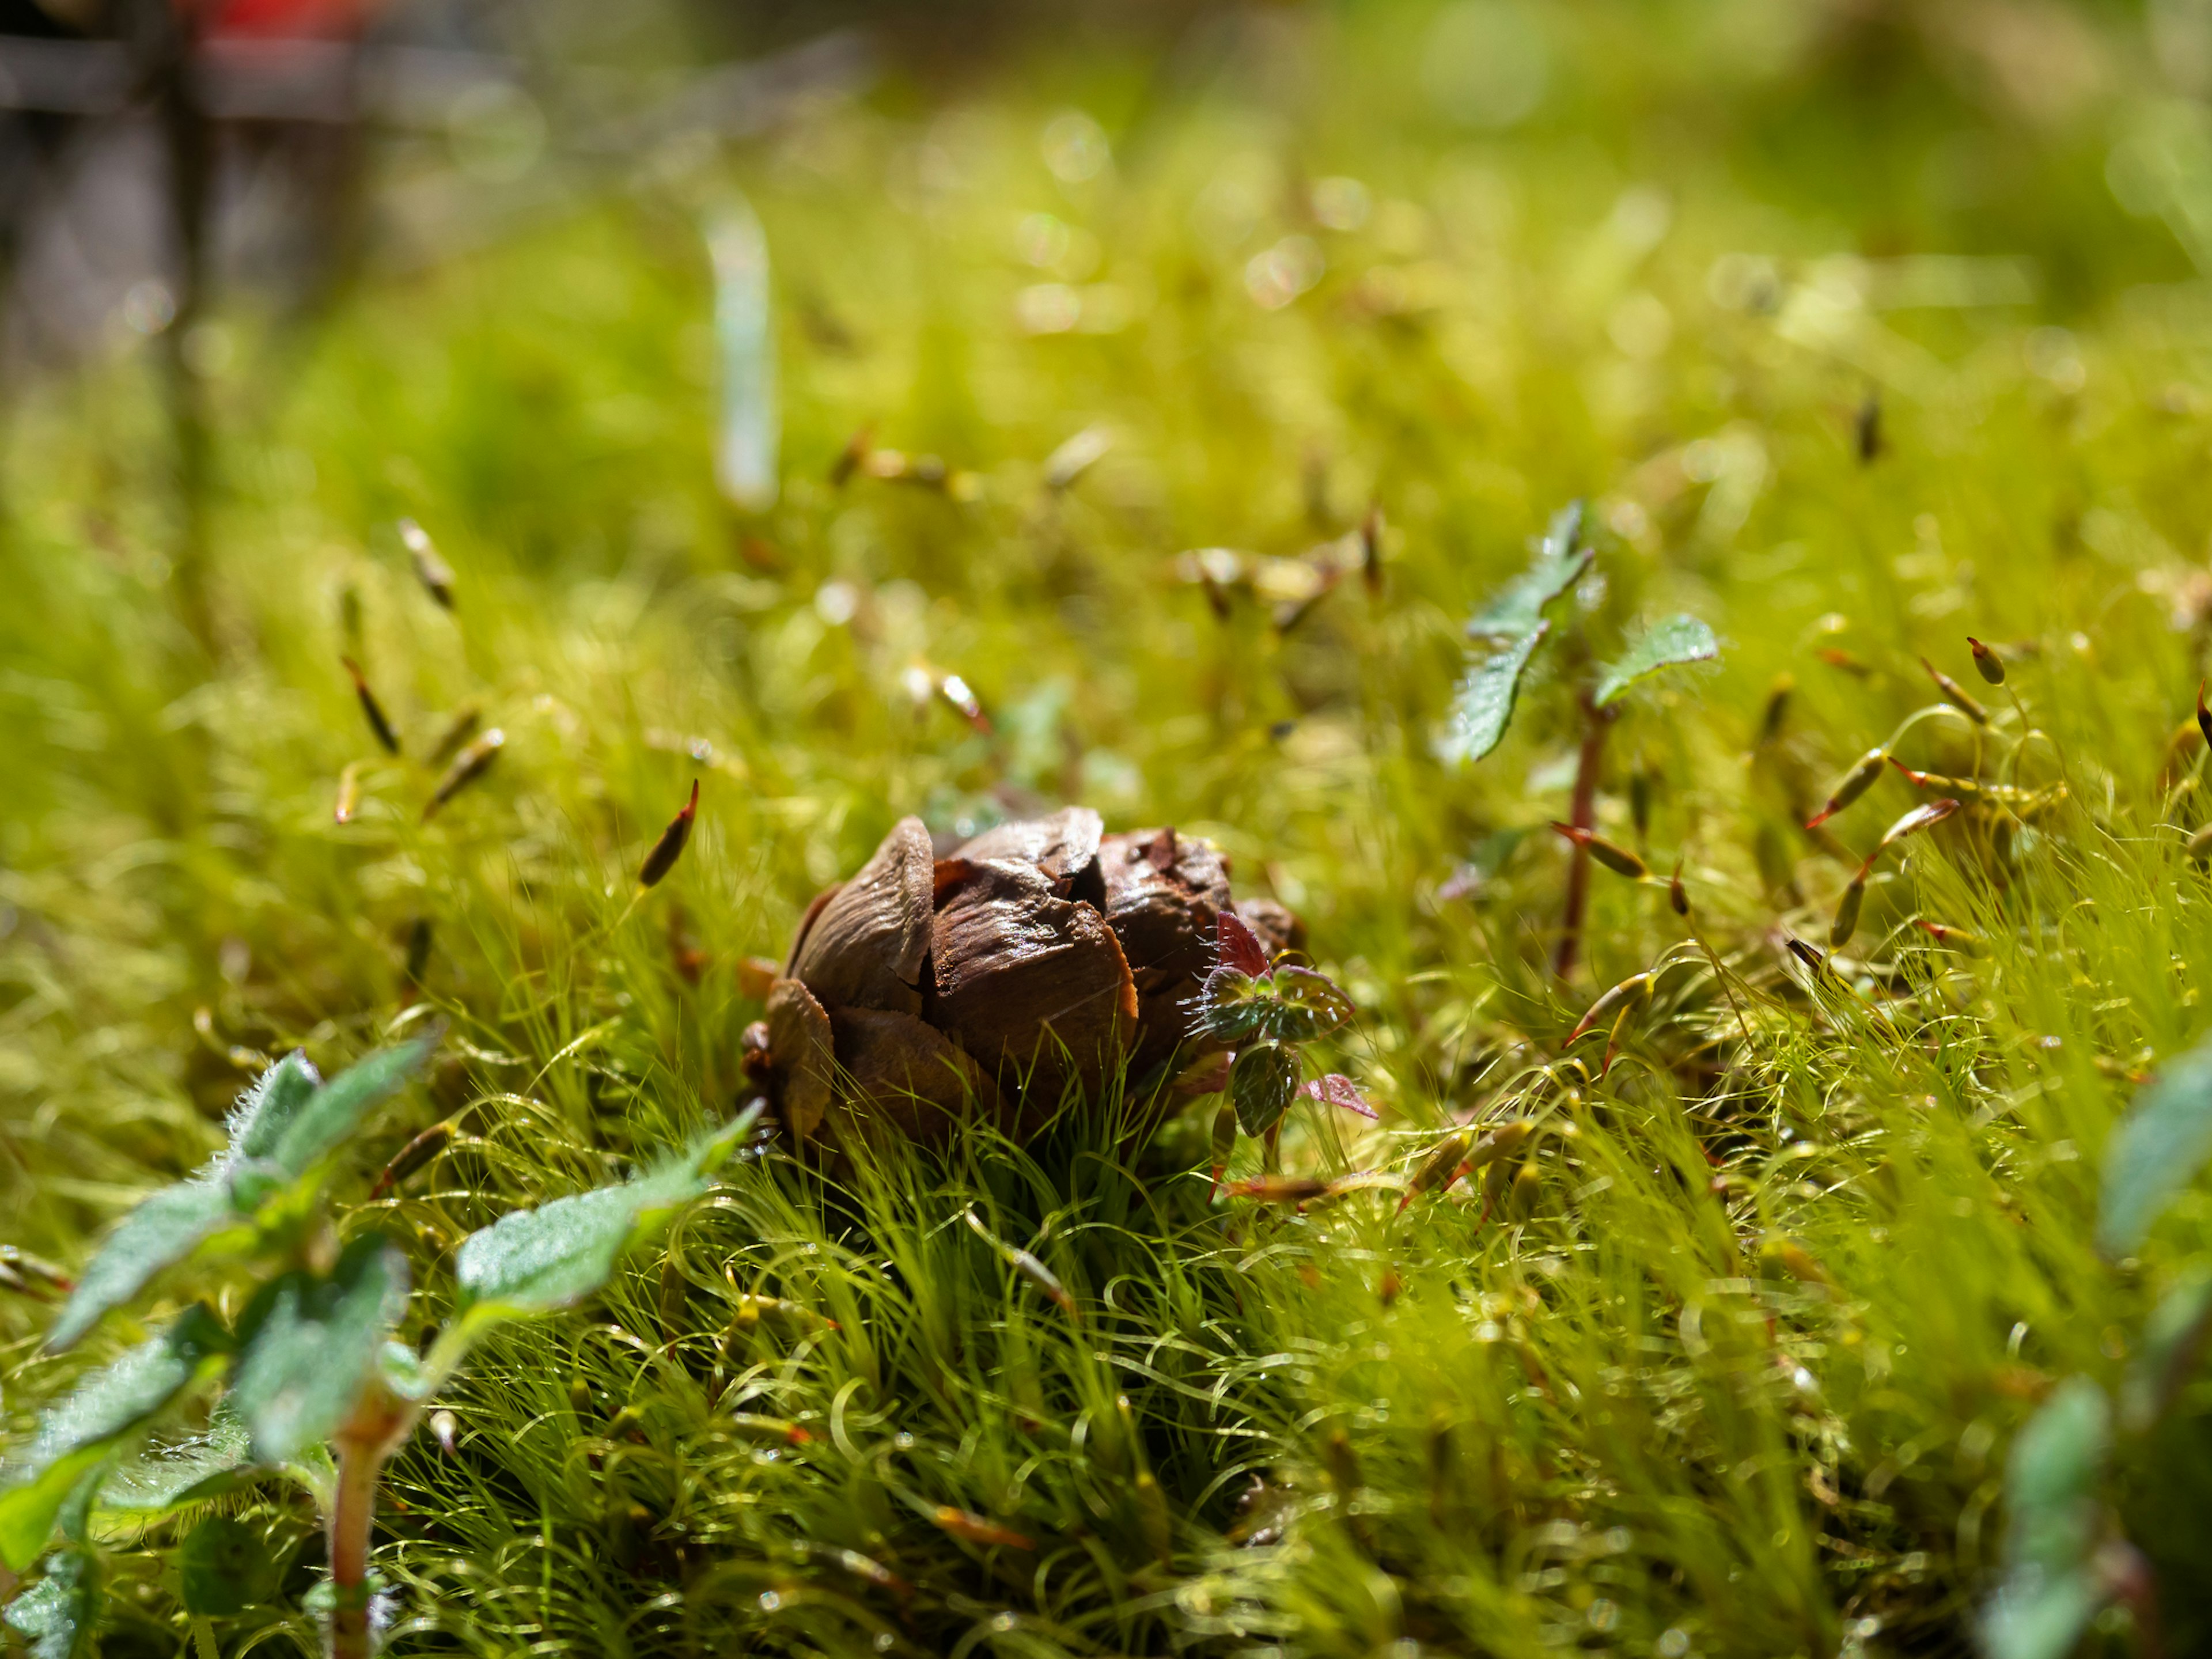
(1510, 630)
(1849, 787)
(310, 1370)
(1677, 895)
(670, 847)
(469, 765)
(445, 1428)
(2203, 715)
(347, 804)
(1955, 693)
(1989, 666)
(433, 571)
(386, 738)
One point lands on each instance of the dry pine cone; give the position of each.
(1028, 961)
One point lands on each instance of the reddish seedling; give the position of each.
(1337, 1090)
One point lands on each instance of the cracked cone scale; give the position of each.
(1010, 976)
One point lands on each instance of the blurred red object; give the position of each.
(282, 20)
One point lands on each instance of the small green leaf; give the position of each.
(164, 1479)
(2157, 1150)
(165, 1229)
(535, 1260)
(56, 1616)
(1482, 704)
(1261, 1085)
(1288, 1005)
(2172, 1337)
(259, 1120)
(335, 1110)
(1308, 1005)
(1231, 1005)
(2051, 1587)
(1559, 562)
(1667, 644)
(225, 1568)
(311, 1346)
(83, 1429)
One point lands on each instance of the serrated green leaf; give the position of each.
(1667, 644)
(2157, 1150)
(163, 1229)
(2172, 1337)
(1519, 605)
(535, 1260)
(335, 1110)
(311, 1346)
(1482, 704)
(86, 1426)
(1261, 1085)
(56, 1616)
(263, 1112)
(224, 1567)
(164, 1479)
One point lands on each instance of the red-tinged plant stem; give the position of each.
(353, 1513)
(1583, 817)
(378, 1426)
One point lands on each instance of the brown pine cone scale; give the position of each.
(1003, 981)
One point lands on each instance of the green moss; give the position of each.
(1791, 1274)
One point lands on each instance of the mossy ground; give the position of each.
(1742, 1381)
